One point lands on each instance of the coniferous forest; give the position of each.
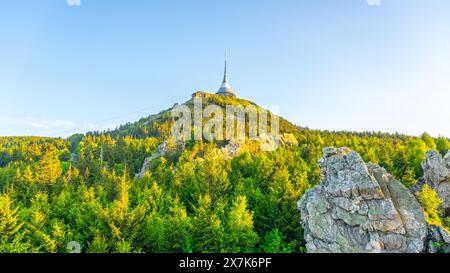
(86, 188)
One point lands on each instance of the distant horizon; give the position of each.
(354, 66)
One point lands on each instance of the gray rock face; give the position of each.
(437, 176)
(360, 208)
(438, 240)
(162, 150)
(265, 142)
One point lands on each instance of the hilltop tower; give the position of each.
(225, 88)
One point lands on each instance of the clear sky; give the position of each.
(328, 64)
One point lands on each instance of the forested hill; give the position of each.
(158, 125)
(400, 154)
(193, 199)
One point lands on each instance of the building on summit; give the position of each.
(224, 90)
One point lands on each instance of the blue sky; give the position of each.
(328, 64)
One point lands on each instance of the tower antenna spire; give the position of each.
(225, 77)
(225, 88)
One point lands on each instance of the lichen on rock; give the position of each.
(359, 207)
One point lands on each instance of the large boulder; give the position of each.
(437, 176)
(359, 207)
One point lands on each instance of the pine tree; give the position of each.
(11, 233)
(409, 178)
(28, 176)
(442, 145)
(213, 174)
(49, 166)
(178, 229)
(98, 245)
(124, 221)
(274, 243)
(240, 236)
(9, 219)
(207, 232)
(430, 202)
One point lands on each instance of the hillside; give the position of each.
(191, 198)
(157, 125)
(400, 154)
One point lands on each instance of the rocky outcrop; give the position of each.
(165, 148)
(437, 176)
(232, 148)
(229, 151)
(265, 142)
(359, 207)
(271, 142)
